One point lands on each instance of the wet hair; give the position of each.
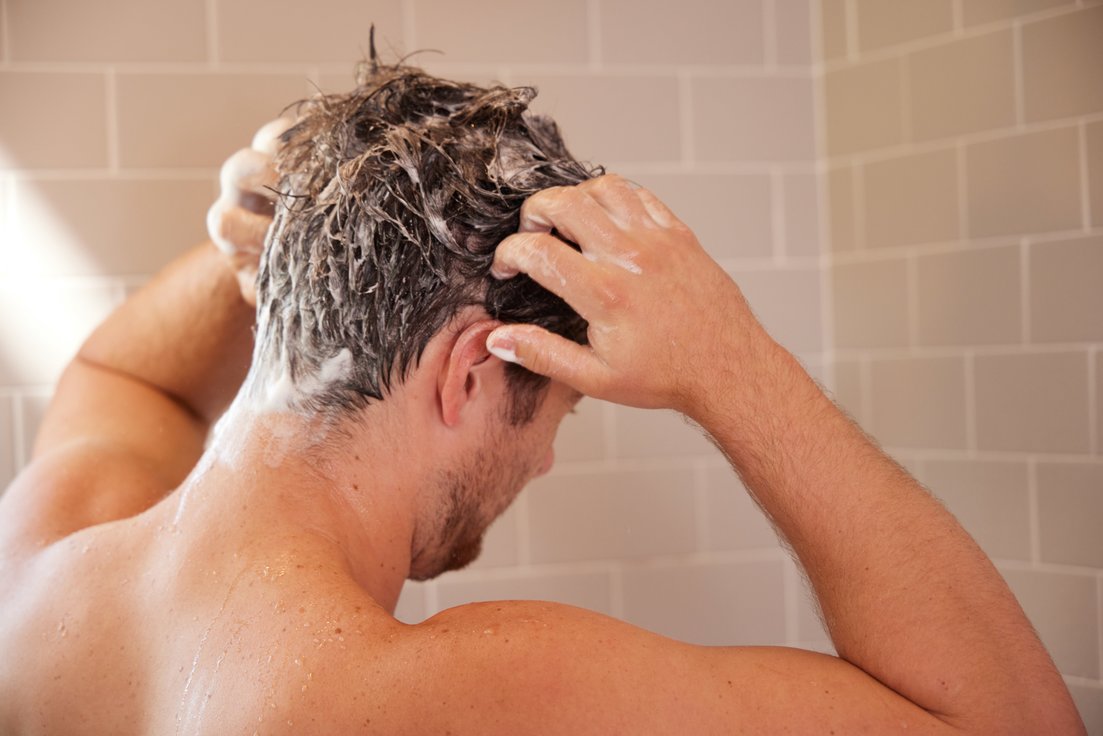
(394, 198)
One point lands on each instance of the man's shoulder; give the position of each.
(506, 666)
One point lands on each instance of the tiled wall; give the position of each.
(964, 150)
(116, 115)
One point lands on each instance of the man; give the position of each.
(408, 379)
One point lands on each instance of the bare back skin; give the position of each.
(143, 594)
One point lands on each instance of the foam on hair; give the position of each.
(393, 199)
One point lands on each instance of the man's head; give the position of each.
(394, 197)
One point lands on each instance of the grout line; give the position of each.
(6, 34)
(851, 11)
(1033, 514)
(886, 153)
(1099, 618)
(19, 442)
(685, 116)
(958, 455)
(858, 183)
(1085, 194)
(701, 508)
(1093, 405)
(942, 39)
(769, 34)
(409, 18)
(1006, 563)
(970, 405)
(432, 598)
(616, 591)
(777, 217)
(905, 100)
(1017, 61)
(958, 351)
(962, 183)
(911, 276)
(970, 245)
(593, 33)
(609, 431)
(523, 533)
(615, 69)
(111, 87)
(865, 379)
(793, 588)
(212, 32)
(1024, 282)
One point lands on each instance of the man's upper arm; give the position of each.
(544, 668)
(109, 447)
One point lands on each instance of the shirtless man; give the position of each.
(149, 587)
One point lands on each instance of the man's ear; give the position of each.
(463, 372)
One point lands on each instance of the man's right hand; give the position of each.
(667, 325)
(238, 221)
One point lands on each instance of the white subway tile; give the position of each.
(650, 433)
(1062, 57)
(793, 31)
(788, 303)
(753, 119)
(520, 31)
(690, 32)
(608, 515)
(801, 214)
(919, 402)
(989, 498)
(870, 304)
(1032, 402)
(884, 23)
(1066, 290)
(734, 521)
(53, 120)
(500, 542)
(107, 30)
(582, 434)
(313, 32)
(1065, 613)
(612, 118)
(729, 213)
(1089, 701)
(197, 120)
(1070, 513)
(412, 607)
(105, 227)
(722, 603)
(1025, 183)
(970, 297)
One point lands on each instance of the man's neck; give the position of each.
(280, 476)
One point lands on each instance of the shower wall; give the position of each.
(964, 152)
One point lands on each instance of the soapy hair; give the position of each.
(394, 197)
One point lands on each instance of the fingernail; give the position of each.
(503, 348)
(501, 273)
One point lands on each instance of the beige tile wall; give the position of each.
(964, 152)
(116, 115)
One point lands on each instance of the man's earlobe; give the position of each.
(461, 378)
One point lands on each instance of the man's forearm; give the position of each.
(907, 595)
(188, 333)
